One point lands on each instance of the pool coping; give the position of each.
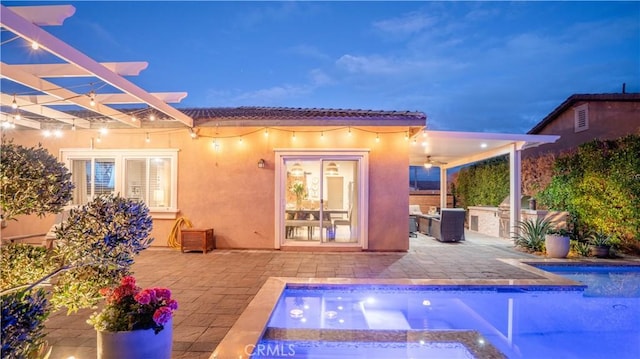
(242, 337)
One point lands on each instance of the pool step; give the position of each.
(386, 319)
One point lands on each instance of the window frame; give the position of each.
(120, 156)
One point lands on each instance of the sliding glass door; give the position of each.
(320, 199)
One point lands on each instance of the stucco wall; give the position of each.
(607, 120)
(226, 190)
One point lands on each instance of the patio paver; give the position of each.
(214, 289)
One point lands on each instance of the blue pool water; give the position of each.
(601, 281)
(520, 322)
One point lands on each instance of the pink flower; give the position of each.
(128, 281)
(172, 304)
(145, 297)
(163, 293)
(162, 315)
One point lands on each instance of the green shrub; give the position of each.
(32, 181)
(483, 184)
(22, 264)
(23, 316)
(599, 184)
(98, 243)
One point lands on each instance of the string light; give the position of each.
(35, 45)
(240, 139)
(17, 116)
(73, 125)
(14, 104)
(57, 133)
(349, 131)
(293, 136)
(147, 139)
(133, 119)
(103, 130)
(322, 135)
(99, 139)
(46, 133)
(414, 142)
(152, 117)
(406, 136)
(266, 132)
(377, 137)
(92, 98)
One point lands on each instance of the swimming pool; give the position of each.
(522, 322)
(601, 280)
(548, 317)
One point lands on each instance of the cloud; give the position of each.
(308, 51)
(406, 24)
(379, 65)
(320, 78)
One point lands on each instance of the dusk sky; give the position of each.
(470, 66)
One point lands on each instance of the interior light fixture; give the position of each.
(297, 170)
(428, 165)
(332, 169)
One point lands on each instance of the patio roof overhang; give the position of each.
(449, 149)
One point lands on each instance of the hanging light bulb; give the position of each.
(99, 139)
(147, 139)
(193, 133)
(424, 132)
(57, 133)
(406, 136)
(17, 116)
(35, 45)
(349, 133)
(414, 142)
(103, 131)
(133, 119)
(266, 132)
(14, 104)
(46, 133)
(377, 137)
(293, 136)
(240, 139)
(152, 117)
(73, 125)
(92, 98)
(322, 135)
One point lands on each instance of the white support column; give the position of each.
(443, 187)
(515, 192)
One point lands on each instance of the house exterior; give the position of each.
(234, 171)
(585, 117)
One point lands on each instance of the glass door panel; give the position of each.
(341, 199)
(302, 201)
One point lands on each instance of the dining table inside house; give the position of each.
(309, 218)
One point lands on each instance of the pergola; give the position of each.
(442, 149)
(25, 22)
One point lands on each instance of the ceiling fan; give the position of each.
(431, 162)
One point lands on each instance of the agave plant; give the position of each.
(531, 234)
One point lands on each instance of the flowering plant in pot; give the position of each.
(134, 322)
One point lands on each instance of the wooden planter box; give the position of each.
(197, 240)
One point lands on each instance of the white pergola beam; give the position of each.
(28, 106)
(20, 26)
(70, 70)
(45, 15)
(109, 98)
(27, 79)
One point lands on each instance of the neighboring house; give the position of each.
(235, 169)
(585, 117)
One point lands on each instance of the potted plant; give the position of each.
(135, 322)
(600, 243)
(557, 242)
(300, 191)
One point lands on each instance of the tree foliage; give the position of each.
(599, 184)
(32, 181)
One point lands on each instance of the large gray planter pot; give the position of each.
(557, 246)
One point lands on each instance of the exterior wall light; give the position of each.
(261, 163)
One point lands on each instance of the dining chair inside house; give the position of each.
(343, 222)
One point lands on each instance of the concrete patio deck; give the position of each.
(213, 289)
